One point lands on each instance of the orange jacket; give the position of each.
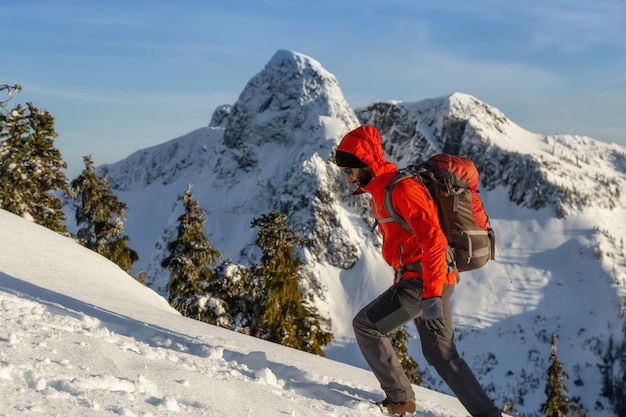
(413, 202)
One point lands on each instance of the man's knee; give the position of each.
(438, 350)
(361, 322)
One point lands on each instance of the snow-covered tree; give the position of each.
(286, 318)
(99, 216)
(31, 168)
(190, 259)
(232, 298)
(9, 89)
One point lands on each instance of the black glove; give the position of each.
(433, 314)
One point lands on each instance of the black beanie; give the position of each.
(346, 159)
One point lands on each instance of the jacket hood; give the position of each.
(364, 143)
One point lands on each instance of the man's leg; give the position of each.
(395, 307)
(440, 351)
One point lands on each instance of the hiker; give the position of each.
(422, 285)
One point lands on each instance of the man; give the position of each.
(422, 284)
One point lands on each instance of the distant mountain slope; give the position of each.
(567, 173)
(556, 203)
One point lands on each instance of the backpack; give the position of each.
(452, 182)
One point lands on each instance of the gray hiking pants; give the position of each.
(395, 307)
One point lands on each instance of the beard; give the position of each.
(364, 177)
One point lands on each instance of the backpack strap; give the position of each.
(395, 217)
(388, 204)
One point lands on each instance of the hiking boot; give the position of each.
(401, 408)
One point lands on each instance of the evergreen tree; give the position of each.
(99, 216)
(142, 277)
(613, 371)
(285, 319)
(117, 251)
(233, 298)
(31, 168)
(607, 370)
(399, 338)
(190, 258)
(10, 89)
(619, 397)
(557, 403)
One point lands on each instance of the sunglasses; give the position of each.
(347, 172)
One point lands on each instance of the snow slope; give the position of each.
(79, 337)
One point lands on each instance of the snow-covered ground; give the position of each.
(79, 337)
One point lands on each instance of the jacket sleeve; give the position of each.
(413, 202)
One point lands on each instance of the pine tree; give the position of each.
(233, 298)
(99, 215)
(607, 370)
(613, 371)
(190, 258)
(117, 251)
(31, 168)
(285, 319)
(142, 277)
(619, 398)
(557, 403)
(9, 89)
(399, 338)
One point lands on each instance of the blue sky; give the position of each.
(119, 76)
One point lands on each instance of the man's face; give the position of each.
(358, 176)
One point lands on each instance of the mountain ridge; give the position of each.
(457, 131)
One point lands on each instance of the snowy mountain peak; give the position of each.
(290, 62)
(293, 108)
(292, 94)
(464, 106)
(269, 151)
